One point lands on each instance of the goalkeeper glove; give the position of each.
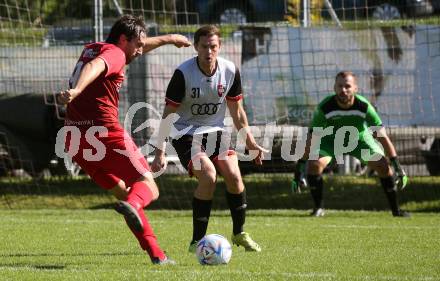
(401, 179)
(299, 181)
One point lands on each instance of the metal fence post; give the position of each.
(98, 21)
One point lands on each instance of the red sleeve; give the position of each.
(114, 59)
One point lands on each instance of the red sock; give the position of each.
(147, 239)
(140, 195)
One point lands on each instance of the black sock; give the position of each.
(316, 185)
(237, 205)
(201, 213)
(391, 193)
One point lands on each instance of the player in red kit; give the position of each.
(105, 150)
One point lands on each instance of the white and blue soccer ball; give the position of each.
(213, 249)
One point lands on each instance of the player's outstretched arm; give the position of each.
(151, 43)
(240, 121)
(390, 151)
(382, 136)
(401, 178)
(299, 180)
(159, 163)
(88, 74)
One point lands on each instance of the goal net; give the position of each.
(288, 54)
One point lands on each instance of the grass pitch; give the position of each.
(96, 245)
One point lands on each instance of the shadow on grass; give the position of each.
(50, 267)
(27, 255)
(35, 266)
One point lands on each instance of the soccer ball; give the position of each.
(213, 249)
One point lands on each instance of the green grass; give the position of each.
(267, 191)
(96, 245)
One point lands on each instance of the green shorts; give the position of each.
(366, 150)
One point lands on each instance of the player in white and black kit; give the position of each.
(199, 92)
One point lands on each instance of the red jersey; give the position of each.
(97, 105)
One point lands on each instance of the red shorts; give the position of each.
(114, 166)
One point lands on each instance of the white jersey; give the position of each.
(200, 99)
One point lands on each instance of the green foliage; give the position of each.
(225, 29)
(30, 37)
(294, 11)
(365, 24)
(48, 12)
(343, 246)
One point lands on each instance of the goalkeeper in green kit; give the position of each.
(347, 124)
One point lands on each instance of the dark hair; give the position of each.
(344, 74)
(206, 30)
(129, 25)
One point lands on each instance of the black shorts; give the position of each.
(213, 144)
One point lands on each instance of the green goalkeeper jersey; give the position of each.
(360, 115)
